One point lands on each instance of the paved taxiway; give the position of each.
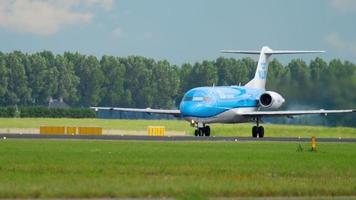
(172, 138)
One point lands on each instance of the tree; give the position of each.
(318, 71)
(241, 71)
(3, 78)
(18, 91)
(165, 81)
(138, 80)
(339, 79)
(224, 67)
(42, 78)
(277, 77)
(204, 74)
(91, 82)
(113, 88)
(299, 88)
(251, 68)
(67, 81)
(185, 81)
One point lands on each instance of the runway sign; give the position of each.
(61, 130)
(52, 130)
(156, 130)
(71, 131)
(90, 131)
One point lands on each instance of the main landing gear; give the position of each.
(258, 130)
(203, 131)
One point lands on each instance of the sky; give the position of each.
(179, 31)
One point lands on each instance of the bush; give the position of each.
(7, 111)
(48, 112)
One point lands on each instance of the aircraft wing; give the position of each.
(290, 113)
(175, 113)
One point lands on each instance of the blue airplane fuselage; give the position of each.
(209, 102)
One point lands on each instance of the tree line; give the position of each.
(135, 81)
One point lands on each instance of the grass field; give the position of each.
(180, 125)
(185, 170)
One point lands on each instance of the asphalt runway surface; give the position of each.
(173, 138)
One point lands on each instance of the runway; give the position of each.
(174, 138)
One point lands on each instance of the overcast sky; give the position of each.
(180, 30)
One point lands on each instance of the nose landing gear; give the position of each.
(258, 130)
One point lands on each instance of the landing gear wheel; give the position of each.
(201, 132)
(207, 131)
(261, 132)
(255, 131)
(196, 132)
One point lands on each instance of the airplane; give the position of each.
(202, 106)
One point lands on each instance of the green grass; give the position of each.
(180, 125)
(186, 170)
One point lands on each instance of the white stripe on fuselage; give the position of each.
(230, 116)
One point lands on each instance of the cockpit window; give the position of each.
(188, 98)
(196, 95)
(196, 98)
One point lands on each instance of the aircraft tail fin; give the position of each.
(259, 80)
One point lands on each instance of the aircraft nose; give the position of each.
(187, 109)
(192, 109)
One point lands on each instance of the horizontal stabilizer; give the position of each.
(241, 52)
(269, 52)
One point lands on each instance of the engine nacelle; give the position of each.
(271, 100)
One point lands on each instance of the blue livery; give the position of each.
(205, 102)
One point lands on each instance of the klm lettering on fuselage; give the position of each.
(262, 73)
